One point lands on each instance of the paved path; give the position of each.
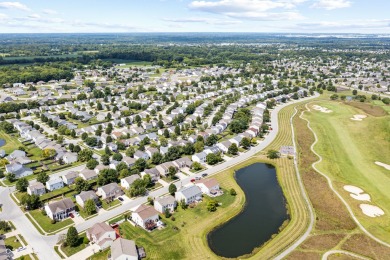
(332, 252)
(331, 185)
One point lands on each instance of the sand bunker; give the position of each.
(371, 211)
(321, 109)
(386, 166)
(361, 197)
(353, 189)
(358, 117)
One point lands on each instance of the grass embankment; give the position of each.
(334, 228)
(349, 150)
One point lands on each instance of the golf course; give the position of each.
(351, 142)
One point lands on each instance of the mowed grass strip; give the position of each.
(349, 150)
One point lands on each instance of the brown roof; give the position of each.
(146, 212)
(209, 183)
(99, 229)
(123, 247)
(61, 205)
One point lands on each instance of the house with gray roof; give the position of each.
(59, 210)
(165, 203)
(87, 195)
(124, 249)
(189, 194)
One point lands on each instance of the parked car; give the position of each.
(197, 178)
(192, 180)
(71, 215)
(21, 249)
(120, 198)
(204, 175)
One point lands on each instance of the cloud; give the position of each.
(14, 5)
(49, 11)
(3, 17)
(331, 4)
(345, 25)
(259, 10)
(202, 20)
(34, 16)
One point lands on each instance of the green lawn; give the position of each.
(103, 255)
(73, 250)
(45, 222)
(11, 142)
(349, 150)
(112, 204)
(12, 243)
(176, 239)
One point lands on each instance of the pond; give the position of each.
(2, 142)
(264, 212)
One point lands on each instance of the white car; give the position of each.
(21, 249)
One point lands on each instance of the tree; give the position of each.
(84, 136)
(105, 159)
(3, 162)
(107, 176)
(171, 172)
(232, 192)
(233, 149)
(212, 205)
(211, 140)
(212, 158)
(334, 97)
(198, 146)
(30, 201)
(150, 201)
(245, 142)
(76, 149)
(272, 154)
(48, 153)
(72, 237)
(188, 149)
(183, 204)
(91, 141)
(42, 177)
(90, 207)
(130, 151)
(91, 164)
(196, 166)
(81, 185)
(137, 188)
(140, 164)
(172, 189)
(354, 92)
(117, 157)
(22, 184)
(5, 226)
(157, 158)
(11, 177)
(85, 155)
(6, 127)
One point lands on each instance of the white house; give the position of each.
(199, 157)
(54, 184)
(59, 210)
(127, 181)
(69, 158)
(124, 249)
(36, 188)
(145, 216)
(101, 234)
(189, 194)
(164, 203)
(208, 186)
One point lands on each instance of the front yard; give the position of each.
(73, 250)
(45, 222)
(109, 205)
(12, 243)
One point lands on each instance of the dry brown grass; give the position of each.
(322, 242)
(370, 109)
(331, 213)
(365, 246)
(299, 255)
(341, 257)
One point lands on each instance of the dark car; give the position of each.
(120, 198)
(71, 215)
(204, 175)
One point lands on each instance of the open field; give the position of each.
(349, 150)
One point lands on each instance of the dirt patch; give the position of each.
(370, 109)
(322, 242)
(365, 246)
(331, 213)
(298, 255)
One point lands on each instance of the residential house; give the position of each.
(182, 162)
(69, 177)
(110, 191)
(165, 203)
(141, 155)
(189, 194)
(153, 173)
(145, 216)
(208, 186)
(88, 175)
(18, 169)
(36, 188)
(124, 249)
(101, 234)
(163, 168)
(69, 158)
(54, 183)
(127, 181)
(59, 210)
(199, 157)
(224, 146)
(87, 195)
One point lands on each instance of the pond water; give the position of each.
(2, 142)
(264, 213)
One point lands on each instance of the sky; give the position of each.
(275, 16)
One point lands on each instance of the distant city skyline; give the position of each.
(279, 16)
